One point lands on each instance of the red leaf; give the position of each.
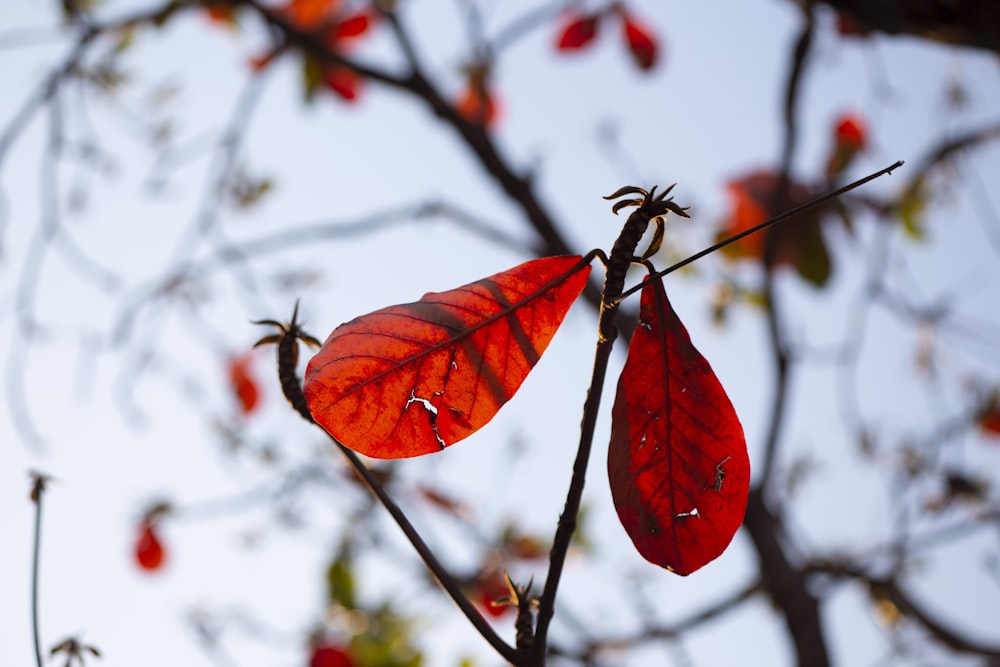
(415, 378)
(352, 26)
(242, 382)
(851, 132)
(989, 416)
(342, 81)
(259, 62)
(443, 501)
(577, 32)
(848, 26)
(222, 14)
(330, 656)
(762, 194)
(640, 41)
(850, 136)
(678, 460)
(489, 588)
(149, 551)
(477, 105)
(306, 14)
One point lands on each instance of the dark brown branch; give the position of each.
(784, 582)
(972, 23)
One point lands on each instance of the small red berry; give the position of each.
(149, 551)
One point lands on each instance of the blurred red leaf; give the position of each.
(848, 26)
(577, 31)
(242, 383)
(477, 104)
(799, 243)
(851, 131)
(678, 461)
(222, 14)
(328, 655)
(309, 13)
(352, 26)
(640, 41)
(149, 551)
(989, 416)
(443, 501)
(490, 587)
(259, 62)
(415, 378)
(344, 82)
(850, 136)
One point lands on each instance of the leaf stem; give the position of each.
(781, 217)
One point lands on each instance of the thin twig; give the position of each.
(439, 571)
(287, 341)
(650, 207)
(37, 490)
(791, 213)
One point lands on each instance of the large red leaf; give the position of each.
(415, 378)
(678, 460)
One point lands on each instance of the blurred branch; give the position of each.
(519, 188)
(593, 646)
(784, 581)
(972, 23)
(85, 36)
(369, 224)
(890, 589)
(949, 146)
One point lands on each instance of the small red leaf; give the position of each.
(149, 551)
(352, 26)
(640, 41)
(259, 62)
(222, 15)
(242, 382)
(415, 378)
(489, 588)
(989, 416)
(848, 26)
(477, 105)
(850, 136)
(306, 14)
(577, 32)
(678, 460)
(330, 656)
(851, 132)
(342, 81)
